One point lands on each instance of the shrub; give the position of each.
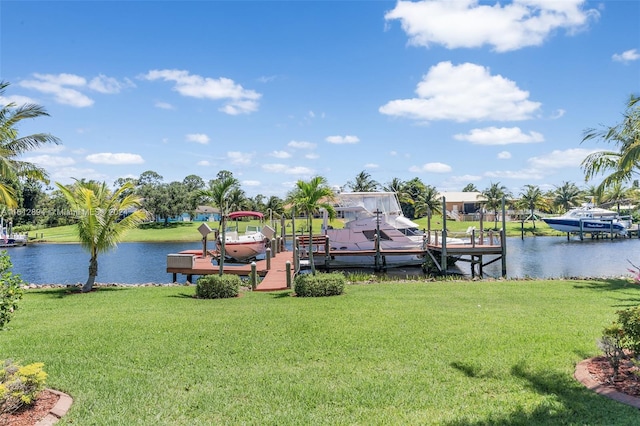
(629, 320)
(10, 289)
(20, 386)
(319, 285)
(217, 286)
(611, 345)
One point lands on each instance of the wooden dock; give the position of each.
(273, 271)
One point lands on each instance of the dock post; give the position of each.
(254, 276)
(327, 251)
(175, 277)
(444, 236)
(268, 258)
(503, 238)
(287, 268)
(273, 244)
(582, 230)
(296, 254)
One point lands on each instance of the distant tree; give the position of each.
(594, 193)
(149, 178)
(617, 194)
(411, 192)
(566, 196)
(179, 200)
(237, 199)
(428, 201)
(363, 183)
(532, 199)
(193, 183)
(622, 163)
(31, 195)
(275, 204)
(470, 188)
(308, 198)
(493, 196)
(13, 146)
(395, 185)
(218, 194)
(100, 225)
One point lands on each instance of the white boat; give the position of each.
(247, 246)
(9, 238)
(589, 219)
(367, 214)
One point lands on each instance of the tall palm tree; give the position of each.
(493, 196)
(531, 198)
(218, 194)
(102, 222)
(308, 198)
(427, 201)
(12, 146)
(623, 163)
(363, 183)
(617, 194)
(566, 195)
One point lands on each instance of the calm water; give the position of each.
(131, 263)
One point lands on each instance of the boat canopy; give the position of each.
(236, 215)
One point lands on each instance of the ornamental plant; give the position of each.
(217, 286)
(320, 285)
(20, 385)
(10, 289)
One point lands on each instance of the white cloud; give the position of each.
(108, 85)
(526, 174)
(16, 100)
(237, 157)
(204, 163)
(499, 136)
(560, 159)
(626, 56)
(115, 158)
(280, 154)
(371, 166)
(506, 27)
(163, 105)
(342, 139)
(49, 149)
(238, 99)
(301, 145)
(431, 168)
(466, 178)
(462, 93)
(251, 183)
(56, 85)
(66, 174)
(45, 160)
(200, 138)
(504, 155)
(283, 168)
(312, 156)
(558, 114)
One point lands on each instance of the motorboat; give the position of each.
(10, 239)
(589, 219)
(365, 215)
(248, 245)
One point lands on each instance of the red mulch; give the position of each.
(30, 415)
(627, 382)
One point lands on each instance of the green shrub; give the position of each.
(217, 286)
(20, 386)
(319, 285)
(629, 320)
(611, 346)
(10, 289)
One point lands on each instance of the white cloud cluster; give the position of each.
(200, 138)
(301, 145)
(505, 26)
(67, 89)
(280, 154)
(342, 139)
(46, 160)
(238, 99)
(626, 56)
(431, 168)
(237, 157)
(289, 170)
(499, 136)
(462, 93)
(118, 158)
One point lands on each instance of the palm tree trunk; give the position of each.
(313, 264)
(223, 224)
(93, 273)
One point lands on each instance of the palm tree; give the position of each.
(363, 183)
(308, 198)
(532, 198)
(103, 217)
(218, 194)
(428, 201)
(624, 162)
(493, 196)
(617, 194)
(470, 188)
(566, 195)
(12, 146)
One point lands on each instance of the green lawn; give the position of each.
(447, 353)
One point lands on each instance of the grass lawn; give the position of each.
(446, 353)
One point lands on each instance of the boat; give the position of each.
(591, 220)
(367, 214)
(247, 246)
(9, 238)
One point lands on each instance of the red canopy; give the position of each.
(236, 215)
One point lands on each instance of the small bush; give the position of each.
(320, 285)
(629, 320)
(10, 289)
(611, 346)
(20, 386)
(217, 286)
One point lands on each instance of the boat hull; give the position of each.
(588, 226)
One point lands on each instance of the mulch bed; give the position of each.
(628, 381)
(30, 415)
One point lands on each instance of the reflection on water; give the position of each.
(131, 263)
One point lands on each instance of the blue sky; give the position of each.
(276, 91)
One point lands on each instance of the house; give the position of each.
(463, 205)
(206, 214)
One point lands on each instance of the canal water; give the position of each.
(137, 263)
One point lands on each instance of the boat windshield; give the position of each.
(360, 204)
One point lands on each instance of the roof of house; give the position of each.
(462, 197)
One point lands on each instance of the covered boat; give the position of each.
(589, 219)
(247, 246)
